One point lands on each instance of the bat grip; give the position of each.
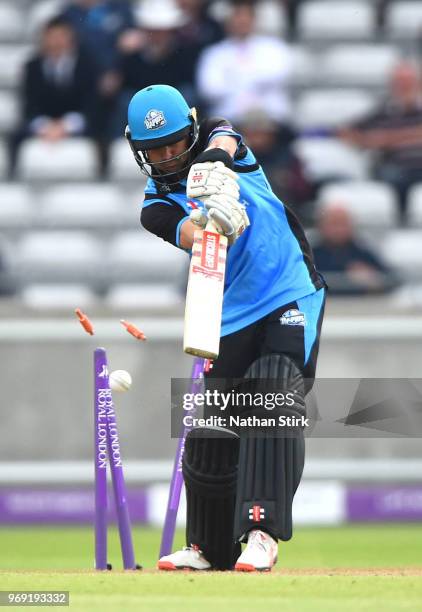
(211, 227)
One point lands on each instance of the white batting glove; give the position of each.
(228, 215)
(211, 178)
(198, 217)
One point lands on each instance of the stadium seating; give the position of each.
(11, 22)
(137, 256)
(328, 159)
(407, 297)
(86, 205)
(370, 203)
(344, 19)
(134, 196)
(414, 211)
(330, 108)
(58, 256)
(9, 111)
(144, 296)
(66, 297)
(65, 160)
(305, 67)
(16, 208)
(219, 10)
(12, 60)
(40, 12)
(122, 165)
(360, 65)
(341, 65)
(403, 19)
(271, 18)
(3, 160)
(402, 250)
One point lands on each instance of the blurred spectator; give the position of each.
(58, 88)
(156, 55)
(394, 133)
(271, 143)
(99, 23)
(245, 70)
(348, 267)
(201, 29)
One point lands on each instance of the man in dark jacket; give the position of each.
(350, 267)
(58, 86)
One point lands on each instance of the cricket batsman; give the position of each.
(239, 488)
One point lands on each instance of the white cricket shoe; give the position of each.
(189, 558)
(260, 553)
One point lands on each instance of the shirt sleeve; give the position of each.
(218, 126)
(164, 219)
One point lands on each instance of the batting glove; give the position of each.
(199, 217)
(228, 215)
(211, 178)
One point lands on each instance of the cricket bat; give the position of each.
(204, 296)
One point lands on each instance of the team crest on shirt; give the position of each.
(293, 317)
(154, 119)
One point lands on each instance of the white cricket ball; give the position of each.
(120, 380)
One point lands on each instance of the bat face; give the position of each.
(204, 298)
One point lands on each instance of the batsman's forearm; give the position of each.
(227, 143)
(187, 231)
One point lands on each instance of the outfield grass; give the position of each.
(341, 569)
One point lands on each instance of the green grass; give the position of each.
(307, 578)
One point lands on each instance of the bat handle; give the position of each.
(211, 227)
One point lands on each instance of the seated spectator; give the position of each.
(245, 70)
(201, 29)
(102, 25)
(158, 56)
(271, 143)
(394, 133)
(99, 24)
(154, 54)
(349, 267)
(58, 85)
(58, 88)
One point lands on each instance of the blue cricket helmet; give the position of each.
(159, 115)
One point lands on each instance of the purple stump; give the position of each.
(100, 459)
(177, 476)
(120, 497)
(105, 415)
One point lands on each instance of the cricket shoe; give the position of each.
(259, 555)
(189, 558)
